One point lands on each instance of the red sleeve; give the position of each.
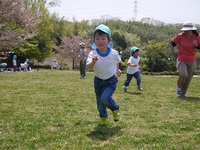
(176, 39)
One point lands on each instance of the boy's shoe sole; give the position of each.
(116, 115)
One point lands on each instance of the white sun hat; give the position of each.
(188, 26)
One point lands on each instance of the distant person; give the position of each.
(25, 66)
(185, 45)
(82, 58)
(14, 63)
(4, 66)
(54, 65)
(63, 65)
(105, 62)
(133, 69)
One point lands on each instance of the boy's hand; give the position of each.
(119, 73)
(95, 58)
(140, 69)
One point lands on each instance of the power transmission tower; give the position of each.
(135, 10)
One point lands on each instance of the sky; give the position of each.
(168, 11)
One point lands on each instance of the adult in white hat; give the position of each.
(185, 45)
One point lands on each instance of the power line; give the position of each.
(131, 10)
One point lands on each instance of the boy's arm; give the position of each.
(132, 65)
(118, 70)
(92, 63)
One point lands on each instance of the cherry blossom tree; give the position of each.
(17, 23)
(70, 49)
(19, 20)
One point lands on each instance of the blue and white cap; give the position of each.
(133, 49)
(14, 56)
(106, 30)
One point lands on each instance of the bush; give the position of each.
(42, 67)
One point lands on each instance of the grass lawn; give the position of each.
(56, 110)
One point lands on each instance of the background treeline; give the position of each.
(28, 30)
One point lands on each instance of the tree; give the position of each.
(45, 28)
(155, 52)
(44, 36)
(70, 48)
(17, 23)
(119, 41)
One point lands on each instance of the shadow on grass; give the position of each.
(195, 99)
(102, 132)
(134, 93)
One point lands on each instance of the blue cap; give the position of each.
(14, 56)
(106, 30)
(27, 60)
(133, 49)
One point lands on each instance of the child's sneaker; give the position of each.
(125, 88)
(139, 88)
(103, 120)
(181, 95)
(82, 77)
(116, 115)
(178, 90)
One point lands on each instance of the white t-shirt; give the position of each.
(105, 67)
(133, 60)
(14, 62)
(4, 64)
(82, 54)
(54, 64)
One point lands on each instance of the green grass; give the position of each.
(56, 110)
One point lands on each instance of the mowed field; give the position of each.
(49, 110)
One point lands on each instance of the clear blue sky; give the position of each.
(168, 11)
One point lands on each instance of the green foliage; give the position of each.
(132, 40)
(69, 30)
(29, 50)
(18, 23)
(119, 41)
(44, 37)
(76, 29)
(155, 53)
